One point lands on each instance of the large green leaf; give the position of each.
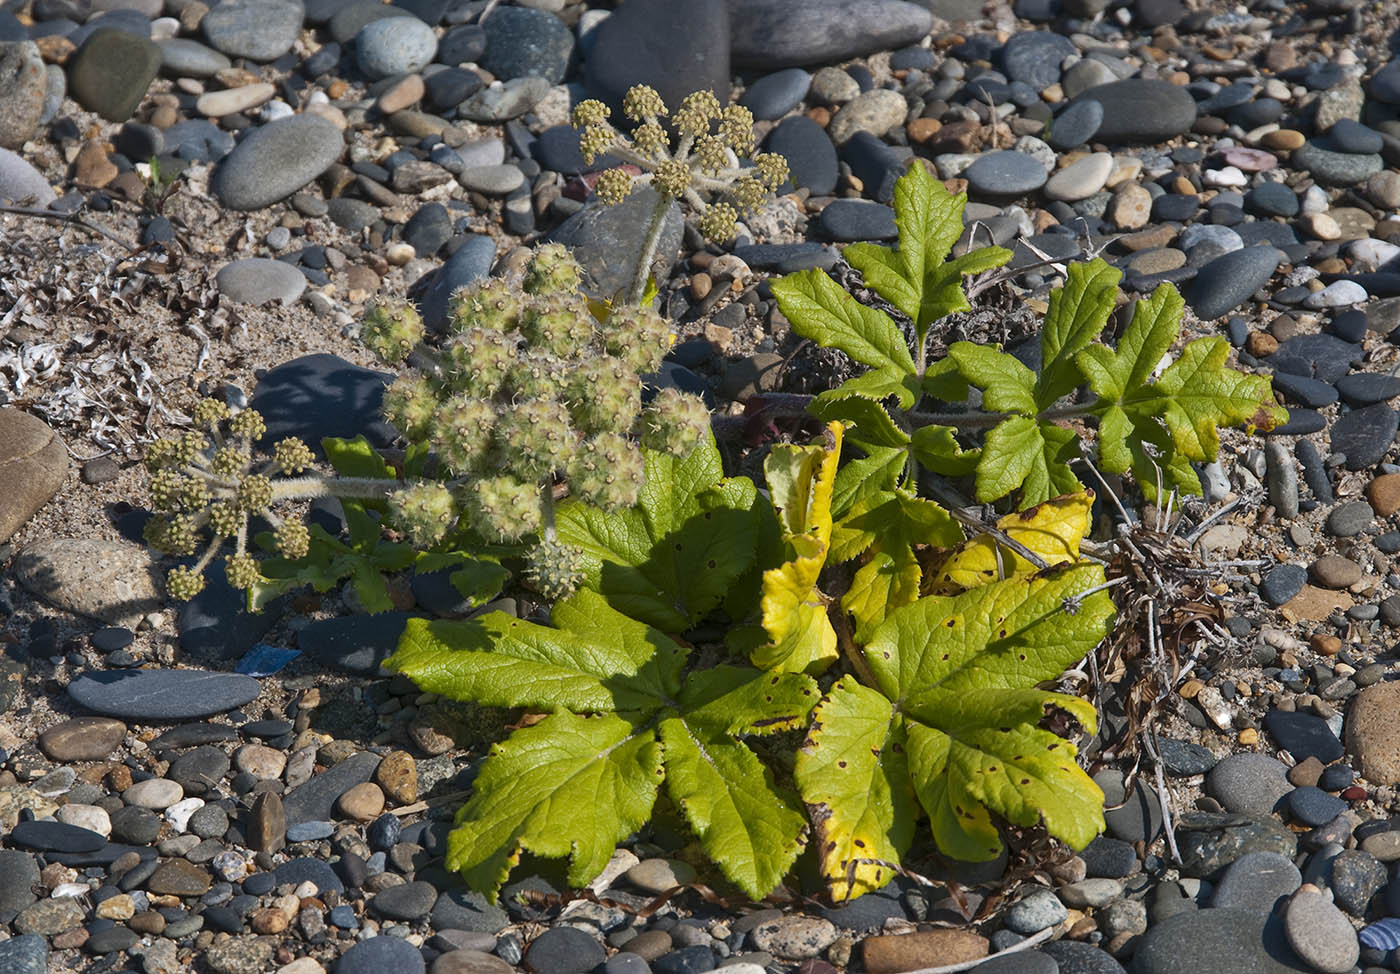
(568, 786)
(1022, 452)
(823, 311)
(1077, 315)
(953, 719)
(1007, 385)
(594, 659)
(853, 775)
(671, 559)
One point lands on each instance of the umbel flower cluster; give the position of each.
(205, 485)
(529, 388)
(710, 142)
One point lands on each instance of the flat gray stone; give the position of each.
(606, 239)
(157, 696)
(276, 160)
(1256, 881)
(1005, 173)
(259, 30)
(183, 57)
(1141, 111)
(315, 800)
(771, 34)
(1229, 280)
(21, 183)
(261, 280)
(1320, 934)
(1248, 783)
(1238, 941)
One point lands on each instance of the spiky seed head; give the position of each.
(553, 270)
(293, 539)
(225, 519)
(409, 403)
(194, 494)
(247, 423)
(604, 396)
(696, 112)
(719, 223)
(537, 374)
(590, 111)
(391, 330)
(229, 461)
(166, 488)
(179, 537)
(241, 570)
(489, 303)
(183, 583)
(478, 360)
(772, 169)
(254, 493)
(554, 569)
(208, 413)
(674, 422)
(191, 445)
(560, 324)
(736, 128)
(534, 439)
(671, 178)
(425, 511)
(292, 455)
(711, 154)
(595, 141)
(462, 429)
(651, 140)
(640, 337)
(613, 186)
(607, 471)
(161, 454)
(642, 102)
(155, 531)
(503, 509)
(748, 192)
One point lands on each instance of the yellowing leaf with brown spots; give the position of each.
(953, 720)
(800, 480)
(1052, 530)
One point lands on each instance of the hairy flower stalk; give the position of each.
(710, 141)
(530, 390)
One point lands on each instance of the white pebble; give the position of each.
(179, 814)
(1338, 294)
(1228, 176)
(1315, 200)
(1372, 251)
(69, 889)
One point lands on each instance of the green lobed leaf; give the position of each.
(1077, 315)
(1155, 324)
(673, 558)
(823, 311)
(962, 673)
(595, 659)
(942, 380)
(1007, 385)
(853, 775)
(1021, 452)
(866, 420)
(943, 289)
(866, 476)
(568, 786)
(937, 448)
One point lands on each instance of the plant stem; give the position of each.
(977, 420)
(547, 511)
(362, 488)
(649, 245)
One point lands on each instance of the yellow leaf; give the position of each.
(1051, 530)
(800, 481)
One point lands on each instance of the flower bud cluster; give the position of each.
(205, 487)
(711, 141)
(532, 384)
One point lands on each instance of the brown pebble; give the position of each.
(1325, 643)
(700, 285)
(1384, 494)
(397, 775)
(362, 803)
(71, 939)
(820, 115)
(1283, 140)
(150, 923)
(922, 129)
(405, 92)
(55, 49)
(1305, 773)
(268, 920)
(91, 167)
(1335, 572)
(1190, 689)
(1261, 344)
(267, 823)
(888, 954)
(82, 739)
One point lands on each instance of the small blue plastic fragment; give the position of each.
(265, 660)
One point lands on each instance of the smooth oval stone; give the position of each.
(56, 837)
(1256, 881)
(20, 182)
(1272, 199)
(162, 695)
(276, 160)
(776, 94)
(521, 41)
(1081, 179)
(810, 154)
(1200, 940)
(1139, 111)
(183, 57)
(394, 46)
(1229, 280)
(1076, 125)
(1005, 173)
(261, 280)
(110, 73)
(770, 34)
(1336, 168)
(82, 739)
(1034, 56)
(379, 954)
(848, 220)
(1319, 933)
(259, 30)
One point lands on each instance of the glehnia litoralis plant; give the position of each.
(705, 160)
(526, 392)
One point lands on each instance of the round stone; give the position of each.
(154, 793)
(1140, 111)
(776, 94)
(1335, 572)
(1005, 173)
(1249, 783)
(1076, 125)
(522, 42)
(567, 950)
(1034, 912)
(1034, 57)
(411, 901)
(1336, 168)
(82, 739)
(276, 160)
(261, 280)
(395, 45)
(876, 111)
(259, 30)
(1080, 179)
(1319, 933)
(379, 954)
(1230, 279)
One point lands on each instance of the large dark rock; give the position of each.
(676, 48)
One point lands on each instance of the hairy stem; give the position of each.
(653, 238)
(361, 488)
(547, 511)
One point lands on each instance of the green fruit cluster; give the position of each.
(530, 384)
